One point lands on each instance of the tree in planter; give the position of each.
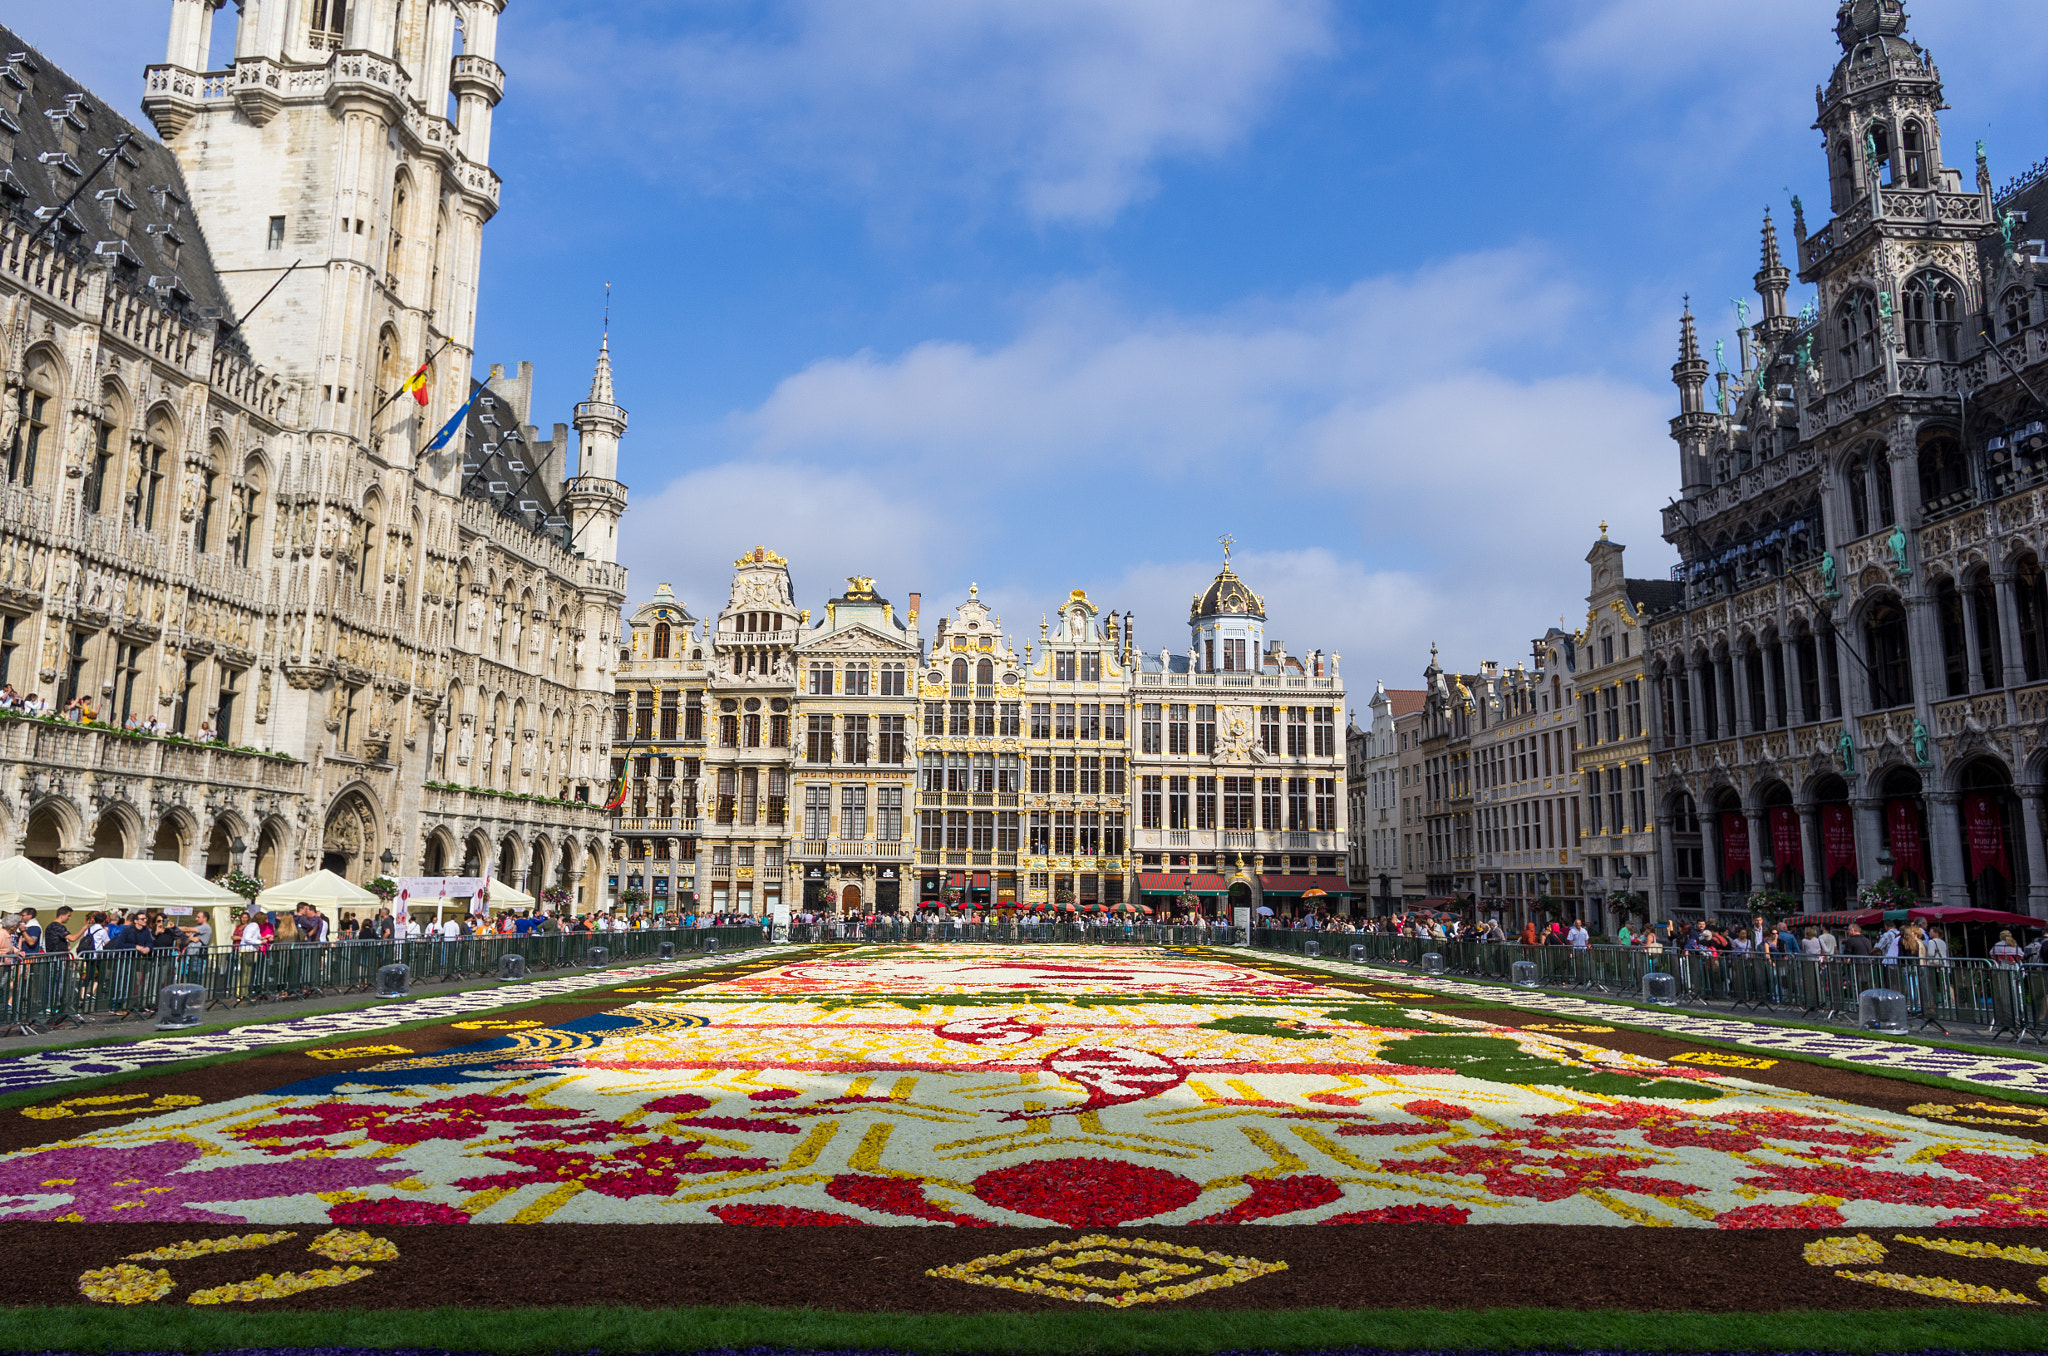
(1773, 903)
(1631, 903)
(1888, 892)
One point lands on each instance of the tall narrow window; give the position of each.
(1885, 640)
(28, 442)
(1856, 332)
(1933, 317)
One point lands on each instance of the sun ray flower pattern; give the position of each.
(961, 1087)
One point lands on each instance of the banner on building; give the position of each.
(1985, 831)
(1786, 850)
(1838, 838)
(1734, 845)
(1902, 817)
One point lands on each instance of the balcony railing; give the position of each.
(653, 824)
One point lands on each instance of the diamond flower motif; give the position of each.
(1118, 1272)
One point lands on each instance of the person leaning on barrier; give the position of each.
(57, 936)
(1856, 944)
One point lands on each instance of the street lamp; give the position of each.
(1621, 870)
(235, 850)
(389, 861)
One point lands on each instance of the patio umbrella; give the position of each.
(1314, 894)
(1264, 912)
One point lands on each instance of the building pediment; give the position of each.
(855, 640)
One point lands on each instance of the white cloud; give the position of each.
(1065, 106)
(1399, 462)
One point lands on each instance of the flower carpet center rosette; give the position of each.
(1216, 1117)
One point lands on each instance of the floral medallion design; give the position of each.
(1083, 1089)
(1118, 1272)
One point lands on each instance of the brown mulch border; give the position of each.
(859, 1269)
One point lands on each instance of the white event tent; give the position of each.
(24, 885)
(181, 894)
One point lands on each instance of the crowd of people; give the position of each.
(1912, 940)
(80, 711)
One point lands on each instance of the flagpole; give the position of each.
(446, 344)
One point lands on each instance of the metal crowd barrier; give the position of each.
(40, 993)
(2005, 1000)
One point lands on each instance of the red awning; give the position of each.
(981, 880)
(959, 879)
(1294, 885)
(1171, 883)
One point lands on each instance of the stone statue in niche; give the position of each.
(465, 745)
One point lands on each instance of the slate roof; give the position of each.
(1654, 594)
(136, 213)
(506, 464)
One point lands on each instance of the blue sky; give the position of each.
(1047, 294)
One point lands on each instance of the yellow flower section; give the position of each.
(1966, 1248)
(206, 1247)
(1056, 1271)
(1836, 1252)
(124, 1283)
(1938, 1287)
(350, 1245)
(114, 1104)
(267, 1286)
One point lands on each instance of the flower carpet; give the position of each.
(1034, 1127)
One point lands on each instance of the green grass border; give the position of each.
(621, 1331)
(77, 1086)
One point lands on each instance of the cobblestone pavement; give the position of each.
(2006, 1072)
(44, 1068)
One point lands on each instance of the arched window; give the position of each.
(152, 465)
(959, 677)
(32, 438)
(1913, 144)
(207, 492)
(2017, 312)
(245, 514)
(1881, 136)
(985, 678)
(366, 549)
(661, 634)
(1981, 597)
(1955, 661)
(1944, 475)
(394, 256)
(1841, 176)
(1933, 323)
(1856, 332)
(2030, 592)
(1888, 653)
(1856, 479)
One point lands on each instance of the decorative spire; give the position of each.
(1771, 281)
(1688, 337)
(1772, 260)
(601, 380)
(1689, 373)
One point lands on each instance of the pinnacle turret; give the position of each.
(1771, 281)
(601, 380)
(1689, 373)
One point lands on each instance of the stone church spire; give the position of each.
(1693, 423)
(595, 491)
(1771, 281)
(601, 380)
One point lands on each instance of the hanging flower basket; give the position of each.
(1888, 892)
(1773, 903)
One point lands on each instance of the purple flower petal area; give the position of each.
(152, 1184)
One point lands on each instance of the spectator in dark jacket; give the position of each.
(1856, 944)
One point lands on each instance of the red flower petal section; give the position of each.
(392, 1210)
(895, 1196)
(777, 1216)
(1086, 1192)
(1405, 1214)
(1278, 1196)
(1780, 1217)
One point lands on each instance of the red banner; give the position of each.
(1785, 846)
(1734, 845)
(1985, 833)
(1838, 838)
(1903, 817)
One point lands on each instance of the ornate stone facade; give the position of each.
(227, 511)
(1853, 684)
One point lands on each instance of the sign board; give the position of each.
(429, 888)
(1241, 916)
(178, 910)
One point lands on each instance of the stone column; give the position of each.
(1769, 658)
(1666, 897)
(1814, 897)
(1795, 684)
(1710, 859)
(1759, 830)
(1724, 694)
(2007, 603)
(1869, 816)
(1698, 725)
(1945, 847)
(1737, 669)
(2037, 851)
(1830, 706)
(1973, 679)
